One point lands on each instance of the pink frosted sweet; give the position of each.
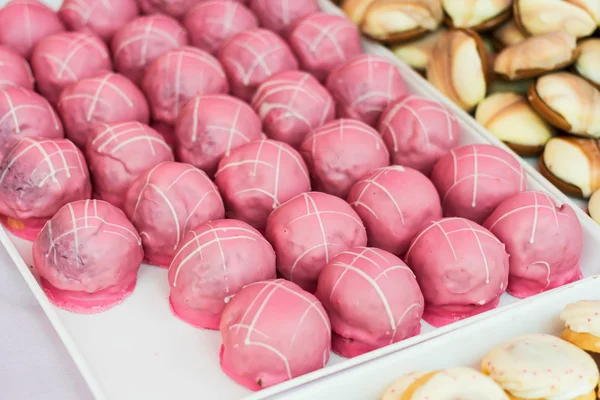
(280, 16)
(342, 152)
(395, 203)
(167, 201)
(24, 113)
(211, 23)
(14, 70)
(139, 42)
(461, 267)
(418, 131)
(372, 298)
(37, 177)
(105, 98)
(24, 22)
(65, 58)
(232, 255)
(120, 152)
(291, 104)
(544, 241)
(308, 231)
(323, 42)
(273, 331)
(88, 256)
(253, 56)
(364, 86)
(258, 177)
(173, 8)
(473, 179)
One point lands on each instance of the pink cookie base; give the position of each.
(30, 230)
(229, 371)
(442, 316)
(523, 288)
(196, 318)
(352, 348)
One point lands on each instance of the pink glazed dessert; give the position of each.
(280, 16)
(14, 70)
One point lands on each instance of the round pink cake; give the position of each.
(473, 179)
(291, 104)
(105, 98)
(37, 177)
(98, 17)
(342, 152)
(120, 152)
(253, 56)
(211, 23)
(24, 113)
(232, 255)
(65, 58)
(394, 203)
(14, 70)
(273, 331)
(364, 86)
(210, 127)
(258, 177)
(139, 42)
(461, 268)
(24, 22)
(167, 201)
(418, 131)
(359, 289)
(308, 231)
(544, 241)
(88, 256)
(280, 16)
(322, 42)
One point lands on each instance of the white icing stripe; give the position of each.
(373, 182)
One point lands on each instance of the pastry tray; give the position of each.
(139, 350)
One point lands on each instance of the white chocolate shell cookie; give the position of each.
(582, 324)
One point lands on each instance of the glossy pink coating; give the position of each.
(120, 152)
(88, 256)
(342, 152)
(323, 42)
(308, 231)
(173, 8)
(14, 70)
(461, 267)
(280, 16)
(65, 58)
(253, 56)
(473, 179)
(167, 201)
(394, 203)
(273, 331)
(232, 255)
(291, 104)
(364, 86)
(418, 131)
(105, 98)
(544, 240)
(258, 177)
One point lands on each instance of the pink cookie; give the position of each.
(232, 255)
(280, 16)
(88, 256)
(544, 242)
(322, 42)
(473, 179)
(65, 58)
(211, 23)
(364, 86)
(461, 268)
(395, 203)
(14, 70)
(291, 104)
(120, 152)
(98, 17)
(359, 288)
(308, 231)
(105, 98)
(25, 114)
(258, 177)
(253, 56)
(167, 201)
(418, 131)
(273, 331)
(342, 152)
(142, 40)
(24, 22)
(37, 177)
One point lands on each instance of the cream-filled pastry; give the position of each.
(582, 324)
(507, 34)
(542, 16)
(588, 60)
(594, 206)
(477, 14)
(416, 53)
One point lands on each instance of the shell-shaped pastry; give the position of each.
(542, 16)
(477, 14)
(416, 53)
(588, 60)
(507, 34)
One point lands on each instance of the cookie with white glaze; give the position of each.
(582, 324)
